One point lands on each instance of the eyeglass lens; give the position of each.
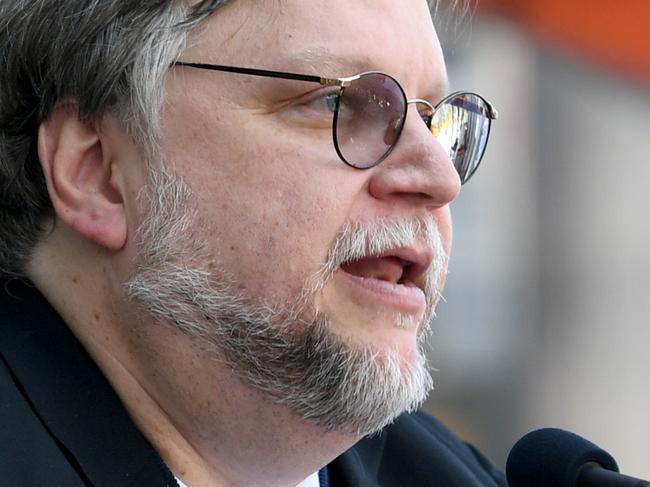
(369, 119)
(461, 123)
(370, 116)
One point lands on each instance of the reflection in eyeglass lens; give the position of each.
(461, 125)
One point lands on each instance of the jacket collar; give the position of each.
(69, 394)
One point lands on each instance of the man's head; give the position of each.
(217, 202)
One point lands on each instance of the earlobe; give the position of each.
(78, 168)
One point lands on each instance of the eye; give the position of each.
(315, 109)
(427, 117)
(323, 102)
(331, 100)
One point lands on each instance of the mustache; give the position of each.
(358, 240)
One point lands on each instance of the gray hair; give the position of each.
(106, 56)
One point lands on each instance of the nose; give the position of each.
(418, 169)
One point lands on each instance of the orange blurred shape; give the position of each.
(615, 34)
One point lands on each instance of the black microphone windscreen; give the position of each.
(552, 457)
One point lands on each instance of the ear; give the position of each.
(78, 169)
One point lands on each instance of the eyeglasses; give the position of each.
(370, 110)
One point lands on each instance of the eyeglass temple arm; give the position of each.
(342, 82)
(271, 74)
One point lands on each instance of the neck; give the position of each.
(209, 427)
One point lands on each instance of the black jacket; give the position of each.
(61, 423)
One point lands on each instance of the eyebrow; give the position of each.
(320, 66)
(323, 62)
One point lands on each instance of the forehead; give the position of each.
(325, 37)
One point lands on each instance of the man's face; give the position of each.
(270, 196)
(258, 153)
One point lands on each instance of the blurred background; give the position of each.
(548, 299)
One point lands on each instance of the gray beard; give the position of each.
(288, 351)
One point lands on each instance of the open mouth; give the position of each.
(406, 266)
(390, 269)
(397, 277)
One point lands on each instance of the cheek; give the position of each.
(266, 211)
(270, 239)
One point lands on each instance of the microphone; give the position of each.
(552, 457)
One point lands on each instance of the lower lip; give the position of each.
(406, 298)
